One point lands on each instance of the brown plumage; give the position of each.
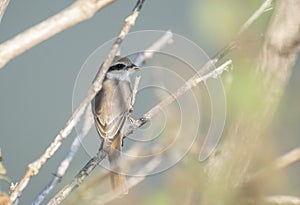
(111, 109)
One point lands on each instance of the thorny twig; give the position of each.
(34, 167)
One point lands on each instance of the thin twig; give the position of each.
(283, 200)
(3, 6)
(77, 12)
(235, 42)
(147, 54)
(287, 159)
(34, 167)
(79, 178)
(192, 82)
(135, 89)
(282, 162)
(111, 194)
(263, 8)
(64, 165)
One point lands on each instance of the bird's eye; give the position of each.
(120, 66)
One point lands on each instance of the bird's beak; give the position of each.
(135, 68)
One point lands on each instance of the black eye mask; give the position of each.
(117, 67)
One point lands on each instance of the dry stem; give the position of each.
(77, 12)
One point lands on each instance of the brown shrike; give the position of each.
(112, 107)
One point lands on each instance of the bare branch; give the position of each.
(235, 42)
(287, 159)
(64, 165)
(192, 82)
(88, 168)
(165, 39)
(264, 7)
(34, 167)
(282, 162)
(282, 200)
(135, 89)
(3, 6)
(77, 12)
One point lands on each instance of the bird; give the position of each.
(112, 107)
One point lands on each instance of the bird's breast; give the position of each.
(113, 100)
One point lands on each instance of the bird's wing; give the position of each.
(109, 129)
(110, 109)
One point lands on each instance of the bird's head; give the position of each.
(121, 68)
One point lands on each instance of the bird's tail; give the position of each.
(118, 180)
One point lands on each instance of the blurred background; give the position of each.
(36, 88)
